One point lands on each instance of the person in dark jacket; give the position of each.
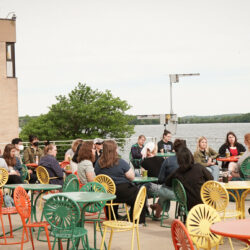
(136, 156)
(169, 166)
(232, 145)
(191, 175)
(51, 164)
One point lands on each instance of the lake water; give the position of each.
(215, 133)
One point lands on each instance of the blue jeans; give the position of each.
(165, 193)
(215, 171)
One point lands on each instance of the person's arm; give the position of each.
(130, 174)
(241, 148)
(207, 175)
(222, 150)
(26, 157)
(168, 181)
(57, 169)
(90, 176)
(213, 153)
(90, 172)
(3, 164)
(198, 159)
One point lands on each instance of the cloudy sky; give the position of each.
(130, 47)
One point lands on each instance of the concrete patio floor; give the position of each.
(153, 236)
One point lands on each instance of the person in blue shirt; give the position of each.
(51, 164)
(110, 164)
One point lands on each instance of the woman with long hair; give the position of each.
(86, 157)
(206, 156)
(13, 163)
(191, 175)
(232, 145)
(51, 164)
(234, 168)
(110, 164)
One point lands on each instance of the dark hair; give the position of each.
(178, 144)
(75, 156)
(46, 143)
(85, 152)
(166, 132)
(185, 159)
(233, 134)
(109, 156)
(16, 141)
(32, 138)
(11, 161)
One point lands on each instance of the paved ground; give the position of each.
(151, 237)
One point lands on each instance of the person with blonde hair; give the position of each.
(51, 164)
(70, 152)
(206, 156)
(234, 168)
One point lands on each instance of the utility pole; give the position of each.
(173, 79)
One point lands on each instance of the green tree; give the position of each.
(84, 113)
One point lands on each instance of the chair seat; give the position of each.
(9, 210)
(119, 224)
(68, 234)
(38, 224)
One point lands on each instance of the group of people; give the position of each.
(90, 158)
(191, 169)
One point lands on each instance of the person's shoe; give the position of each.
(249, 210)
(158, 211)
(153, 206)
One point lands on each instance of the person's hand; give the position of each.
(210, 162)
(162, 151)
(30, 171)
(17, 173)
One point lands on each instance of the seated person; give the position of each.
(98, 146)
(169, 166)
(136, 151)
(234, 168)
(69, 155)
(206, 156)
(86, 157)
(231, 146)
(51, 164)
(152, 164)
(33, 153)
(18, 143)
(122, 175)
(165, 145)
(191, 175)
(13, 164)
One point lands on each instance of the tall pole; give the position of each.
(171, 105)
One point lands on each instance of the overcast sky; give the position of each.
(130, 47)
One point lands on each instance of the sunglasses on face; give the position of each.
(98, 143)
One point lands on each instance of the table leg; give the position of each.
(242, 202)
(237, 198)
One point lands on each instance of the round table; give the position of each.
(34, 187)
(32, 165)
(85, 198)
(168, 154)
(228, 159)
(239, 229)
(144, 179)
(240, 200)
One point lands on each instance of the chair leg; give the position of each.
(4, 236)
(22, 241)
(54, 243)
(132, 241)
(110, 238)
(103, 237)
(31, 238)
(138, 239)
(11, 231)
(47, 235)
(231, 243)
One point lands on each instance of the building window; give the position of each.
(10, 59)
